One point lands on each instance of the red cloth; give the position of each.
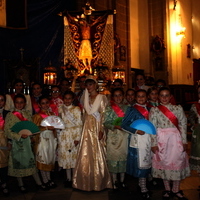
(142, 110)
(170, 115)
(19, 116)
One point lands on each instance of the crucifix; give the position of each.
(86, 29)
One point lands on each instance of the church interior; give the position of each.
(46, 41)
(157, 38)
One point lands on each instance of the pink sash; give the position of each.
(170, 115)
(2, 122)
(142, 110)
(42, 114)
(117, 109)
(19, 116)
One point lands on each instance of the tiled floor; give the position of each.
(189, 186)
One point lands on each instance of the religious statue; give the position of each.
(84, 24)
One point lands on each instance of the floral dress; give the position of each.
(117, 142)
(171, 161)
(139, 153)
(67, 151)
(21, 159)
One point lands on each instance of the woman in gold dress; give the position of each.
(91, 171)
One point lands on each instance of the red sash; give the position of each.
(2, 122)
(43, 114)
(142, 110)
(54, 108)
(117, 109)
(198, 107)
(170, 115)
(19, 116)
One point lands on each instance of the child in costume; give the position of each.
(140, 82)
(18, 88)
(170, 161)
(68, 138)
(152, 94)
(117, 139)
(56, 99)
(140, 143)
(4, 151)
(45, 143)
(21, 159)
(130, 97)
(36, 90)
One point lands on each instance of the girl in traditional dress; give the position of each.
(194, 119)
(130, 97)
(152, 94)
(45, 143)
(36, 94)
(161, 83)
(170, 161)
(4, 151)
(64, 86)
(68, 138)
(18, 89)
(21, 159)
(56, 99)
(91, 171)
(117, 139)
(140, 82)
(139, 150)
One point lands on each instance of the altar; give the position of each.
(90, 45)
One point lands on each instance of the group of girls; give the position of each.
(99, 143)
(20, 161)
(139, 154)
(28, 154)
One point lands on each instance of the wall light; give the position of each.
(50, 75)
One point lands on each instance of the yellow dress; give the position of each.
(67, 151)
(91, 171)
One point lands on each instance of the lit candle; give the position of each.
(51, 79)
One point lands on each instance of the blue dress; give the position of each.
(131, 115)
